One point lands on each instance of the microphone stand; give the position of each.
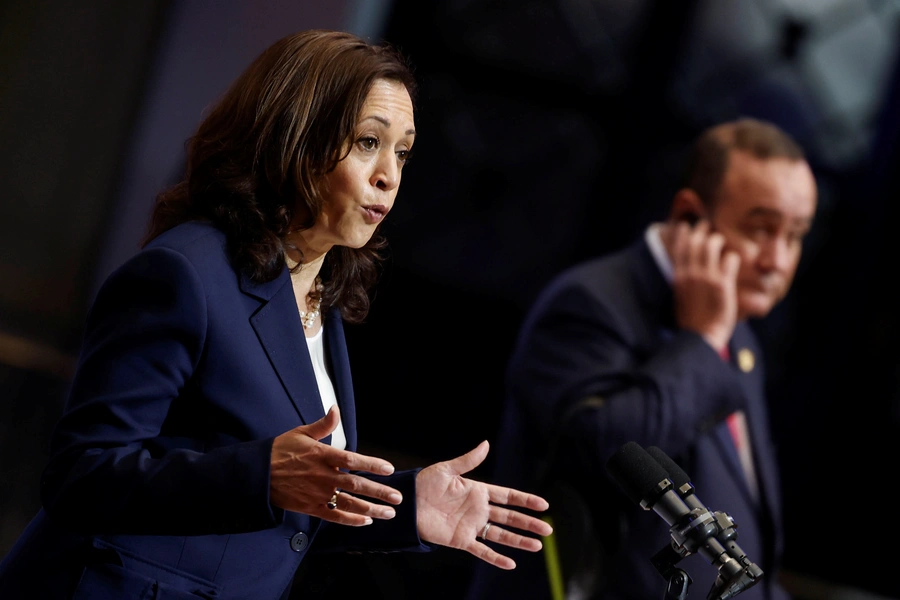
(735, 576)
(678, 579)
(693, 527)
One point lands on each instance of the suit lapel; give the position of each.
(277, 325)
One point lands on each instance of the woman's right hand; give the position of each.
(305, 474)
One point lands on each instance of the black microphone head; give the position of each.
(637, 473)
(676, 473)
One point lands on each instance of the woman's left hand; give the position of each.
(454, 511)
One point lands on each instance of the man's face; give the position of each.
(764, 209)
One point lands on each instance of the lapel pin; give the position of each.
(745, 359)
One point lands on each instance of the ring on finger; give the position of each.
(332, 504)
(483, 534)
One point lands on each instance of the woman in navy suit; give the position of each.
(207, 446)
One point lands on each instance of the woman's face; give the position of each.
(360, 191)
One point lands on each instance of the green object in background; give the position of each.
(554, 572)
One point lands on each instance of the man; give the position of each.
(651, 344)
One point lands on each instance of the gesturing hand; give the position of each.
(305, 474)
(453, 511)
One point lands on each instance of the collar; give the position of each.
(658, 250)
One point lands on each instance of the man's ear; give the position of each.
(687, 206)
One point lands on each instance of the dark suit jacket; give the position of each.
(158, 481)
(599, 363)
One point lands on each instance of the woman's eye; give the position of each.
(404, 155)
(368, 143)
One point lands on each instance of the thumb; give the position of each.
(471, 459)
(324, 426)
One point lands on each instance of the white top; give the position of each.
(739, 423)
(326, 388)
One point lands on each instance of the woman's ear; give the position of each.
(687, 206)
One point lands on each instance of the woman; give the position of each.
(207, 444)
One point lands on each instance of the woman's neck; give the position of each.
(304, 278)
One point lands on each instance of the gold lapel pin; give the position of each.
(745, 359)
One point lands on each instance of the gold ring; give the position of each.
(485, 530)
(332, 504)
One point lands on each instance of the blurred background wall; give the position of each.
(549, 131)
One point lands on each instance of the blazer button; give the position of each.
(299, 542)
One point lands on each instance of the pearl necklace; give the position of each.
(309, 319)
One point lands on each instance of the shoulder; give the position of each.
(200, 244)
(603, 275)
(167, 276)
(192, 255)
(190, 237)
(622, 290)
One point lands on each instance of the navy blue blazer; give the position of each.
(599, 362)
(158, 480)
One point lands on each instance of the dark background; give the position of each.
(549, 131)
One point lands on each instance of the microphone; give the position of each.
(735, 575)
(692, 526)
(647, 483)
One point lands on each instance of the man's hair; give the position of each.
(709, 157)
(256, 163)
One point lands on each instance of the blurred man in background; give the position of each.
(652, 344)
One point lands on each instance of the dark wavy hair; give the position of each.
(255, 165)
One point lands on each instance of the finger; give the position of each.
(697, 243)
(491, 556)
(343, 517)
(510, 497)
(513, 540)
(324, 426)
(353, 461)
(360, 486)
(731, 264)
(469, 460)
(713, 252)
(350, 504)
(681, 244)
(517, 520)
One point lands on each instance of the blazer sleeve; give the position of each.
(144, 337)
(587, 380)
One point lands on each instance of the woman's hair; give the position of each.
(257, 161)
(709, 158)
